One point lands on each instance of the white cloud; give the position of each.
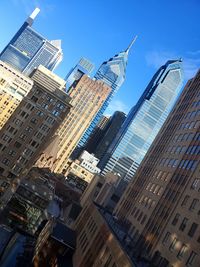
(190, 63)
(116, 105)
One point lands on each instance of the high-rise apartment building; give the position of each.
(28, 49)
(87, 97)
(14, 86)
(144, 121)
(84, 66)
(161, 205)
(112, 72)
(33, 123)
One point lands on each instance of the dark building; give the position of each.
(111, 131)
(97, 135)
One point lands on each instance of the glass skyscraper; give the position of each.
(144, 121)
(112, 72)
(28, 49)
(84, 66)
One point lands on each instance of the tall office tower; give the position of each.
(162, 203)
(34, 121)
(144, 121)
(28, 49)
(14, 86)
(87, 97)
(97, 134)
(84, 66)
(112, 130)
(112, 72)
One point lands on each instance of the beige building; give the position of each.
(96, 244)
(87, 98)
(30, 128)
(161, 205)
(14, 86)
(99, 189)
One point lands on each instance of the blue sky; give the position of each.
(98, 29)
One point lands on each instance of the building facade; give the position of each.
(112, 73)
(28, 49)
(161, 205)
(96, 244)
(144, 121)
(87, 97)
(35, 119)
(84, 66)
(14, 86)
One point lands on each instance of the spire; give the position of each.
(33, 16)
(130, 45)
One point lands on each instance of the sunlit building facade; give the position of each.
(144, 121)
(87, 97)
(28, 49)
(14, 86)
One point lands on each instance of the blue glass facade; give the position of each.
(84, 66)
(112, 72)
(144, 121)
(28, 49)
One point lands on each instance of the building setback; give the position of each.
(161, 205)
(144, 121)
(87, 97)
(28, 49)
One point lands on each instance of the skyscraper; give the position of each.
(84, 66)
(28, 49)
(112, 73)
(87, 97)
(161, 205)
(144, 121)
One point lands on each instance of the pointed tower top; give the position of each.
(130, 45)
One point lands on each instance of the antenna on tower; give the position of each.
(130, 45)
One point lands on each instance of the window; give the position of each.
(29, 129)
(6, 161)
(191, 259)
(166, 238)
(196, 184)
(185, 200)
(34, 121)
(34, 98)
(194, 204)
(182, 251)
(183, 224)
(173, 244)
(40, 113)
(12, 153)
(192, 229)
(176, 218)
(17, 144)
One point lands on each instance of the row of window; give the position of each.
(183, 225)
(189, 125)
(182, 248)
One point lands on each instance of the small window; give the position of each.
(192, 229)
